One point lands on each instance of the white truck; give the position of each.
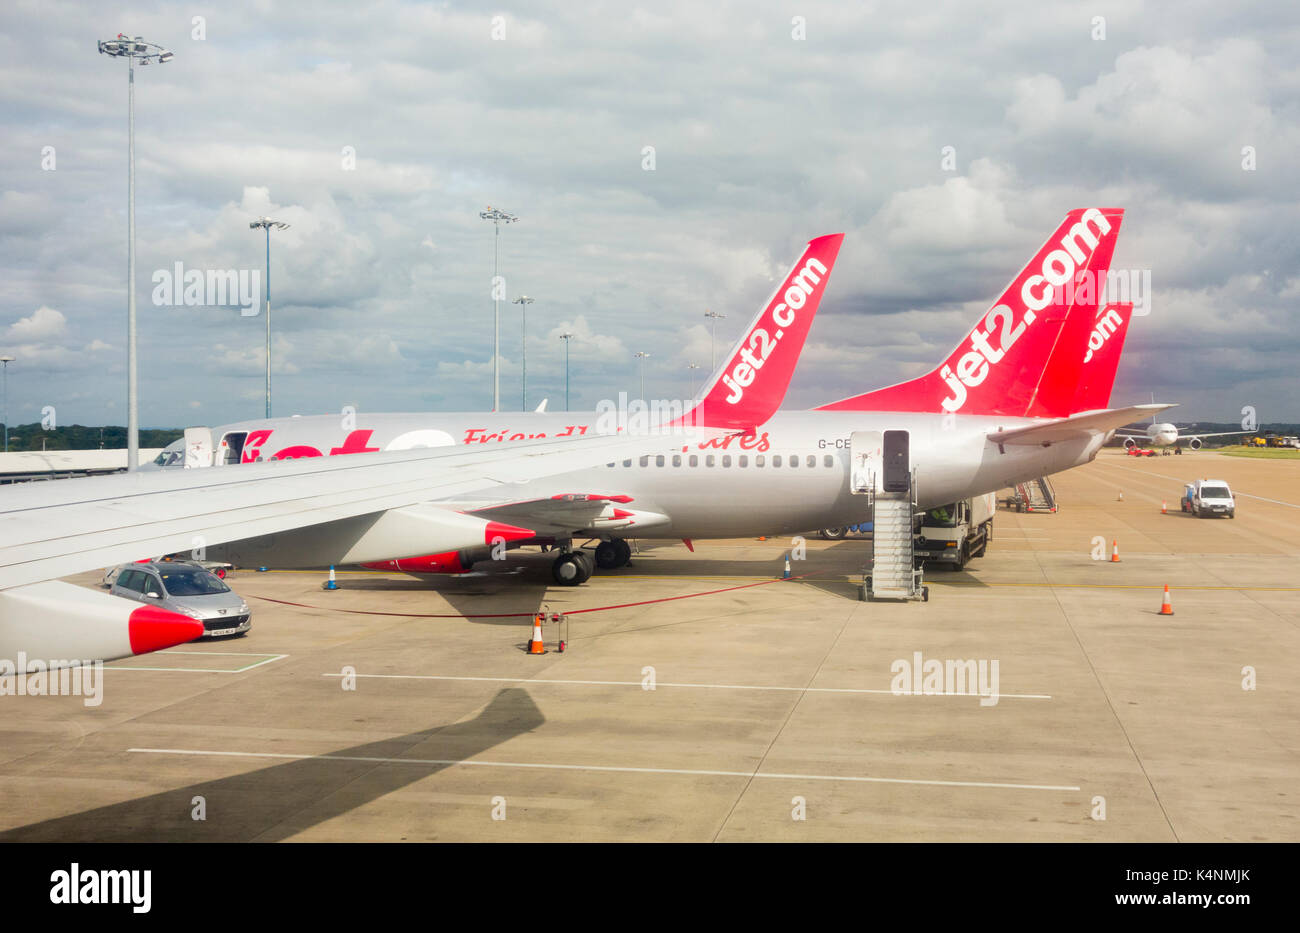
(1209, 497)
(953, 534)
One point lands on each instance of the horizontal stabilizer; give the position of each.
(1084, 425)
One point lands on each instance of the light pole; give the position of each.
(642, 356)
(566, 338)
(713, 353)
(266, 223)
(692, 367)
(6, 360)
(498, 217)
(146, 52)
(524, 301)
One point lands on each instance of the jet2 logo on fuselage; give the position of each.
(761, 343)
(1058, 267)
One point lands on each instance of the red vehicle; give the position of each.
(1140, 452)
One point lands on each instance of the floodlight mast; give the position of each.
(132, 49)
(498, 217)
(6, 360)
(524, 301)
(266, 223)
(713, 336)
(566, 337)
(642, 356)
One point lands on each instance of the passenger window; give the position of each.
(645, 461)
(759, 460)
(828, 461)
(709, 460)
(149, 584)
(794, 460)
(627, 463)
(695, 460)
(609, 464)
(659, 460)
(812, 461)
(776, 460)
(677, 459)
(127, 580)
(744, 460)
(726, 460)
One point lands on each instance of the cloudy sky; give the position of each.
(761, 140)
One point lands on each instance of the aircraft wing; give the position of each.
(1087, 424)
(50, 530)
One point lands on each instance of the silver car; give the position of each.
(185, 587)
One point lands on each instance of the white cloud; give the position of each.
(41, 325)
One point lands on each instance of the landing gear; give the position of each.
(572, 569)
(610, 555)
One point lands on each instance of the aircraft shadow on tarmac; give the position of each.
(522, 585)
(279, 801)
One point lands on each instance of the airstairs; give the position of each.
(882, 473)
(1036, 495)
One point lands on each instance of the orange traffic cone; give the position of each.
(762, 537)
(1164, 507)
(1114, 551)
(535, 645)
(1166, 608)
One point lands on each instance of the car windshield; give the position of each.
(1215, 492)
(190, 581)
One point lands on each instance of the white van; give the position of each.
(1209, 497)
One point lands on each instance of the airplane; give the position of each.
(1003, 408)
(330, 510)
(1164, 434)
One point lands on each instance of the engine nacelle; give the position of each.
(1194, 443)
(448, 562)
(1129, 443)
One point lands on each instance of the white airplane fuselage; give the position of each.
(725, 487)
(1162, 435)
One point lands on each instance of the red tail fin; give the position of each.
(751, 383)
(1105, 344)
(1021, 355)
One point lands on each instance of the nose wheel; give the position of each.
(572, 569)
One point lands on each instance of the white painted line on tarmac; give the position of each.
(608, 769)
(266, 659)
(637, 683)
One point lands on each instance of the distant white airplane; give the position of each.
(1164, 434)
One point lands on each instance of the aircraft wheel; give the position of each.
(835, 534)
(607, 556)
(624, 552)
(571, 570)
